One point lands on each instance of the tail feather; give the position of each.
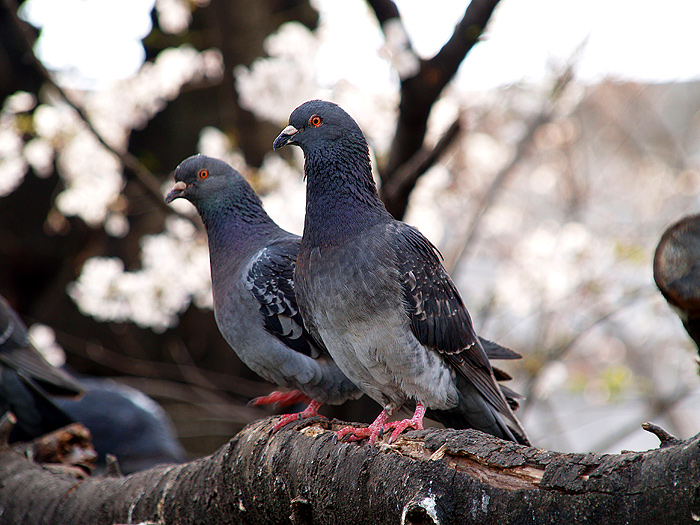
(473, 411)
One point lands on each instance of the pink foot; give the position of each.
(371, 432)
(282, 399)
(416, 423)
(309, 411)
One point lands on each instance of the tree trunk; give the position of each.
(300, 476)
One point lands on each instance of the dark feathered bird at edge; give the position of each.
(27, 381)
(374, 290)
(252, 267)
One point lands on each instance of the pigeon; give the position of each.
(374, 290)
(27, 381)
(124, 422)
(252, 266)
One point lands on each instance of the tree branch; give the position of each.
(431, 476)
(545, 115)
(384, 10)
(405, 178)
(420, 91)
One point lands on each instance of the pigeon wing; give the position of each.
(439, 318)
(271, 281)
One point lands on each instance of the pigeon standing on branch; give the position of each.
(375, 291)
(252, 266)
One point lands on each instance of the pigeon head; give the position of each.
(341, 195)
(318, 123)
(200, 177)
(230, 209)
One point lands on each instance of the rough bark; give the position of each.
(300, 475)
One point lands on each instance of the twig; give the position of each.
(561, 350)
(658, 408)
(406, 176)
(192, 374)
(113, 468)
(666, 438)
(545, 115)
(384, 10)
(146, 368)
(7, 423)
(420, 91)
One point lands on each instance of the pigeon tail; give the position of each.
(473, 411)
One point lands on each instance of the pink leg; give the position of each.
(282, 399)
(416, 422)
(309, 411)
(371, 432)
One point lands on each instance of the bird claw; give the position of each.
(400, 426)
(309, 411)
(350, 434)
(416, 423)
(284, 421)
(282, 399)
(347, 437)
(372, 432)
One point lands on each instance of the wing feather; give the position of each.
(439, 318)
(271, 281)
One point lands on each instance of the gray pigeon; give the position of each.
(375, 291)
(252, 266)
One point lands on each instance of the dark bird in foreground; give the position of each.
(121, 420)
(374, 290)
(27, 381)
(252, 267)
(124, 422)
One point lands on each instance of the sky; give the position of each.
(626, 39)
(100, 39)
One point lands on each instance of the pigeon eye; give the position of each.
(203, 174)
(315, 121)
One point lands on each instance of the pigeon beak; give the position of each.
(176, 192)
(285, 137)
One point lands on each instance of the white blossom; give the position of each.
(92, 175)
(286, 202)
(174, 271)
(44, 340)
(12, 171)
(20, 102)
(97, 291)
(116, 224)
(39, 154)
(93, 179)
(174, 16)
(397, 49)
(272, 86)
(55, 122)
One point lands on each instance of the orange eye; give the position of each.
(203, 174)
(315, 121)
